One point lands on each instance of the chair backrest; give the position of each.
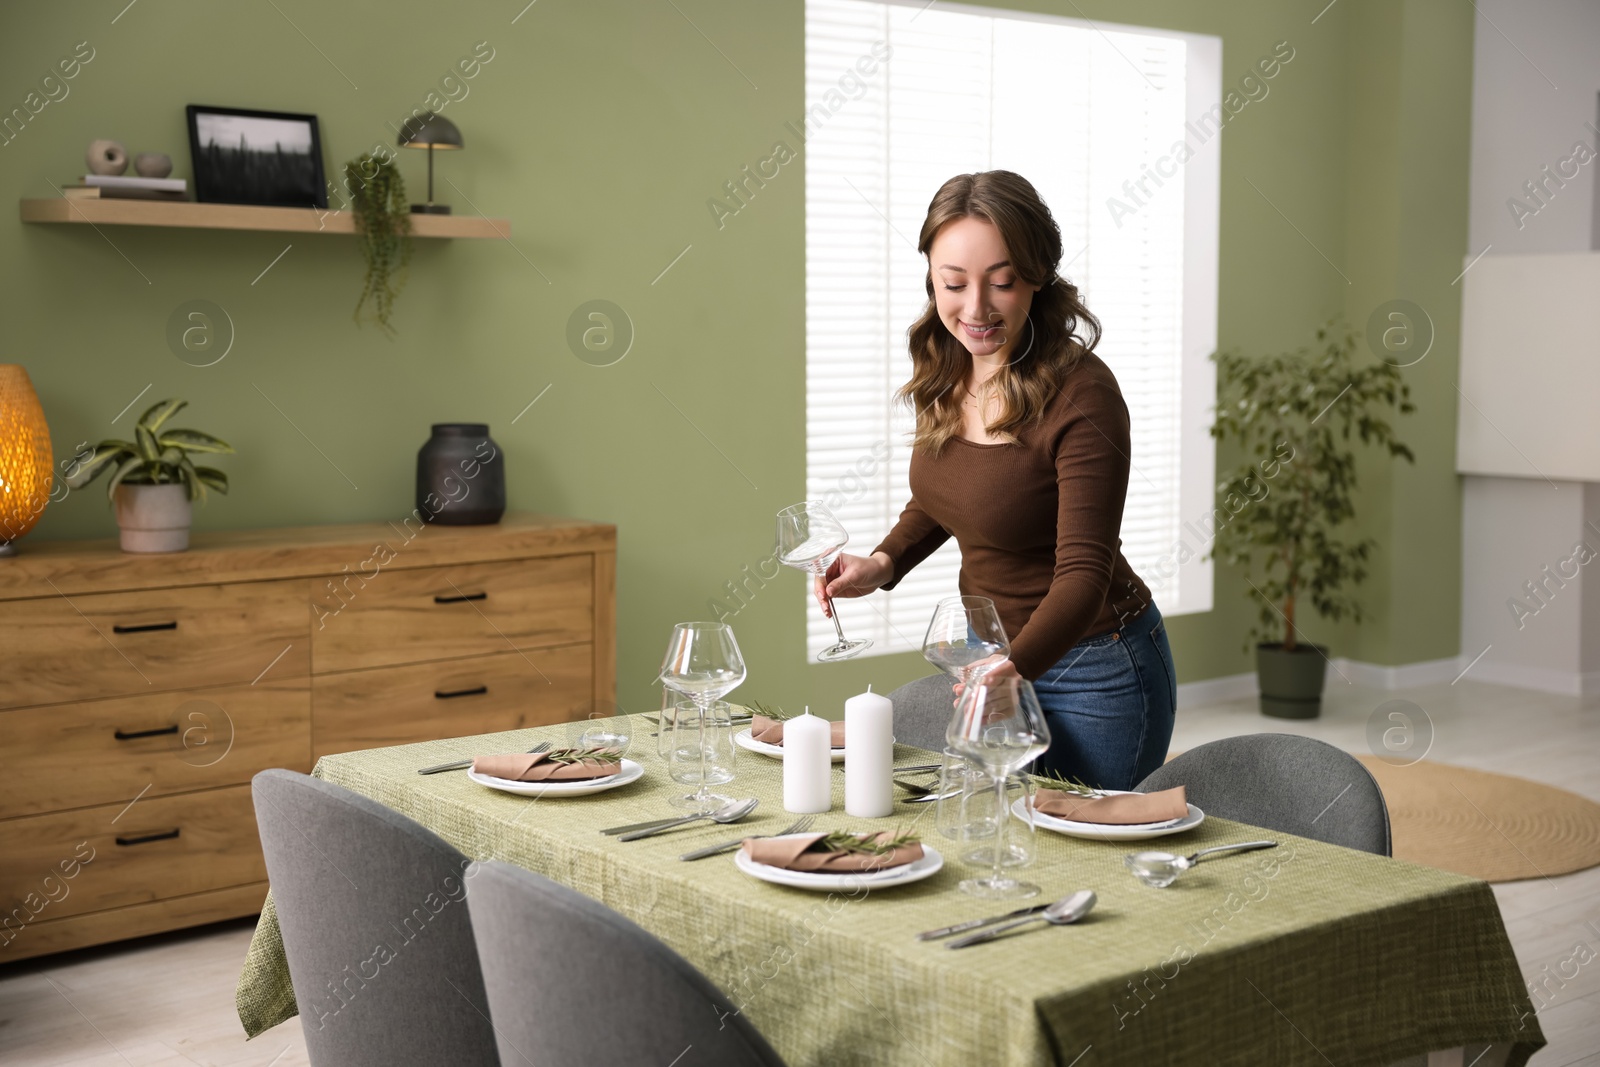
(922, 711)
(570, 981)
(375, 927)
(1286, 782)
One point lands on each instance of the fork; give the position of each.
(460, 764)
(799, 826)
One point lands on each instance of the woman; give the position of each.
(1021, 453)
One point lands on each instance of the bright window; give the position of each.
(1084, 111)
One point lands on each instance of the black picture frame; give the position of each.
(257, 171)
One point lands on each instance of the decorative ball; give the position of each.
(106, 157)
(152, 164)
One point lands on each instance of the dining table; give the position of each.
(1304, 954)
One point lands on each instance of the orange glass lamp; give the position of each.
(25, 457)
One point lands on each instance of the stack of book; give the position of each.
(119, 187)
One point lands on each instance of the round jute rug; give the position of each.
(1489, 826)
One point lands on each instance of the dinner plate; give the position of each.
(744, 740)
(630, 772)
(1096, 831)
(928, 865)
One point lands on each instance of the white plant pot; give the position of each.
(154, 518)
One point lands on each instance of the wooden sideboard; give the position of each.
(140, 694)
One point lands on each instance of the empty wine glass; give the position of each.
(702, 662)
(999, 726)
(699, 752)
(964, 631)
(810, 539)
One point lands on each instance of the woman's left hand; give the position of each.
(997, 667)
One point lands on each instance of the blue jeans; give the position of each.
(1110, 704)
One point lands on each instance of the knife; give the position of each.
(614, 830)
(973, 924)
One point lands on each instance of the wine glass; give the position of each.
(999, 726)
(703, 663)
(810, 539)
(964, 631)
(699, 751)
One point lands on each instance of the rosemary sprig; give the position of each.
(581, 755)
(1052, 780)
(775, 714)
(848, 841)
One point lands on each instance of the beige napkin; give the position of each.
(795, 854)
(537, 767)
(1122, 809)
(770, 731)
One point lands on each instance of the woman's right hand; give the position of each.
(852, 576)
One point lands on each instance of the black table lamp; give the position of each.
(429, 131)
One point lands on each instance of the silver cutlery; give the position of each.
(974, 924)
(799, 826)
(732, 811)
(615, 830)
(917, 768)
(930, 798)
(1064, 911)
(1160, 869)
(461, 764)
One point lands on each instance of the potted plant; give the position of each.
(383, 221)
(1282, 510)
(153, 480)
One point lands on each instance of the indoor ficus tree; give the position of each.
(1295, 415)
(383, 224)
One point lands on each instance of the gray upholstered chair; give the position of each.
(1286, 782)
(922, 711)
(570, 981)
(375, 925)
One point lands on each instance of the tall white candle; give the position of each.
(807, 765)
(869, 755)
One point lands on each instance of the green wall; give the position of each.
(601, 129)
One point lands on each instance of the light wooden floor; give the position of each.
(168, 1001)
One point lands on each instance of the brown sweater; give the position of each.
(1038, 522)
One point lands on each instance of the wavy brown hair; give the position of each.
(940, 363)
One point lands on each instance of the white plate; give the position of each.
(630, 772)
(928, 865)
(1095, 831)
(744, 739)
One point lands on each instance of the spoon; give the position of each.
(1066, 910)
(1160, 869)
(732, 811)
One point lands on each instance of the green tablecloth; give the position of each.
(1304, 954)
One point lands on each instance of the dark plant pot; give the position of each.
(1291, 682)
(461, 477)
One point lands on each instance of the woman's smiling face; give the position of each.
(979, 296)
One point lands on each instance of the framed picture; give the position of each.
(272, 158)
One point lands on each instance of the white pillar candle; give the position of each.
(869, 755)
(807, 765)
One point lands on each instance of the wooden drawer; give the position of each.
(158, 847)
(406, 616)
(109, 644)
(105, 751)
(482, 694)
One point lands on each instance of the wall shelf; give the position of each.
(189, 215)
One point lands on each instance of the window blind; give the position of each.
(1077, 109)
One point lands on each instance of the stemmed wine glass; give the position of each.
(810, 538)
(964, 631)
(999, 726)
(703, 663)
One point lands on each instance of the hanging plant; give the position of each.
(383, 223)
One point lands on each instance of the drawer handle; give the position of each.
(144, 629)
(147, 838)
(479, 691)
(460, 599)
(157, 732)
